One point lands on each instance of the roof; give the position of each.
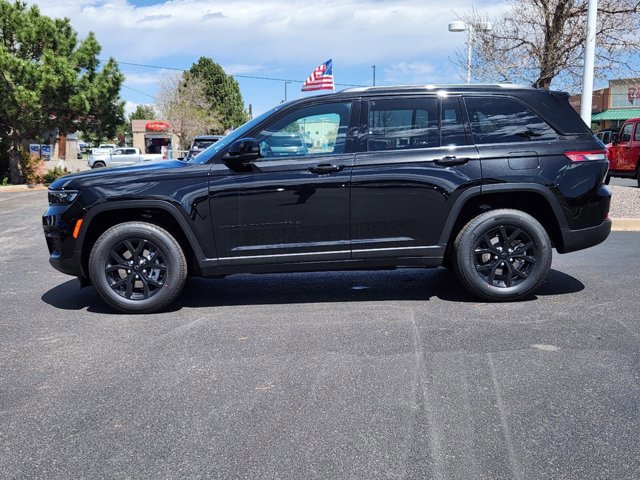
(616, 114)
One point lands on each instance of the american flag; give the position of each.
(320, 79)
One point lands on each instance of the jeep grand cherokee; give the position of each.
(483, 179)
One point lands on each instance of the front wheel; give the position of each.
(98, 165)
(502, 255)
(137, 267)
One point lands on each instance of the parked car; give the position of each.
(624, 151)
(284, 144)
(201, 142)
(485, 180)
(120, 157)
(607, 135)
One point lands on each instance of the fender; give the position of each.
(141, 204)
(498, 188)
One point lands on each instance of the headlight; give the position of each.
(59, 197)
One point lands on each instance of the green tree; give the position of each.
(143, 112)
(49, 81)
(106, 110)
(222, 92)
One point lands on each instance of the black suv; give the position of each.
(482, 179)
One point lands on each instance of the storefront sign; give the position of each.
(157, 126)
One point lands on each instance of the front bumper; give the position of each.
(57, 223)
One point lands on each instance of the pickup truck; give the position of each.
(103, 148)
(624, 151)
(120, 157)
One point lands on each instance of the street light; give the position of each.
(460, 26)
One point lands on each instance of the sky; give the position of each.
(407, 41)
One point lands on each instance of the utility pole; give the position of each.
(589, 60)
(285, 90)
(373, 67)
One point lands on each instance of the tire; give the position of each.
(607, 179)
(152, 272)
(98, 165)
(497, 239)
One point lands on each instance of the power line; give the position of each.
(140, 92)
(253, 77)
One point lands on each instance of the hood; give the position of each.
(118, 174)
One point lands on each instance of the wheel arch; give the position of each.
(536, 200)
(104, 216)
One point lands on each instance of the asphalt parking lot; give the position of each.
(349, 375)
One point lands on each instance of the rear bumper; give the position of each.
(573, 240)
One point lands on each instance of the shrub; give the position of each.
(53, 174)
(32, 167)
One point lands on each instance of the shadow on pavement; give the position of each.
(273, 289)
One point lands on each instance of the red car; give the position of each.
(624, 151)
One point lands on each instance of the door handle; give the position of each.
(451, 160)
(326, 168)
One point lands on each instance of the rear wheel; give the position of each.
(137, 267)
(98, 165)
(502, 255)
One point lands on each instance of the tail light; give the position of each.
(586, 156)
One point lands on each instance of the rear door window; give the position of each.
(505, 120)
(403, 123)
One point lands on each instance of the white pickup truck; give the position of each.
(103, 148)
(120, 157)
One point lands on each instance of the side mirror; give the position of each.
(241, 152)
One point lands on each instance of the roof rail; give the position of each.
(436, 87)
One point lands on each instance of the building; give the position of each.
(613, 105)
(151, 135)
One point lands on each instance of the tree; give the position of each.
(541, 42)
(222, 92)
(143, 112)
(183, 103)
(49, 81)
(106, 110)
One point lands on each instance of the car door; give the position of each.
(292, 204)
(117, 157)
(623, 148)
(412, 164)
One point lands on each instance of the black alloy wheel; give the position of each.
(98, 165)
(137, 267)
(505, 256)
(502, 255)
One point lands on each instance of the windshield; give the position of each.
(224, 142)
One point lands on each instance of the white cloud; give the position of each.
(129, 108)
(251, 32)
(239, 69)
(135, 78)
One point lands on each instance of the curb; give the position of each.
(23, 188)
(625, 225)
